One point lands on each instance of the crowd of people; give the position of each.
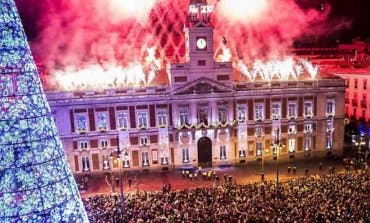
(325, 198)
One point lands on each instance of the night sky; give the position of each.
(356, 12)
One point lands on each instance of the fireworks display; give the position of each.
(97, 44)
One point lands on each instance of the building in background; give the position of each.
(205, 113)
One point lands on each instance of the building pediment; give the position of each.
(203, 86)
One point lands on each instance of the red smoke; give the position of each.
(80, 32)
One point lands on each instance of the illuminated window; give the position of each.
(275, 111)
(308, 128)
(330, 107)
(104, 143)
(308, 110)
(105, 159)
(291, 145)
(258, 112)
(241, 112)
(162, 118)
(242, 153)
(81, 122)
(85, 164)
(292, 130)
(258, 131)
(259, 148)
(292, 110)
(222, 115)
(102, 121)
(143, 119)
(203, 116)
(145, 158)
(185, 155)
(144, 141)
(222, 152)
(329, 141)
(122, 121)
(184, 116)
(308, 143)
(83, 145)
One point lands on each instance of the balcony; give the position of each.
(347, 100)
(354, 102)
(363, 104)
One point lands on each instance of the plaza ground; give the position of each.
(100, 183)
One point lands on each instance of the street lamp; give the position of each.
(277, 145)
(122, 157)
(359, 144)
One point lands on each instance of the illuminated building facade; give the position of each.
(36, 184)
(205, 113)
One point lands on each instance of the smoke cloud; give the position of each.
(83, 32)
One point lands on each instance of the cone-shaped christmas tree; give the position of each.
(36, 184)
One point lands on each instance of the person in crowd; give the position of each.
(323, 198)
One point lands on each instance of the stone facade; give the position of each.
(203, 116)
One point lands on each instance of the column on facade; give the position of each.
(175, 115)
(164, 145)
(213, 107)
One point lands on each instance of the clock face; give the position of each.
(201, 43)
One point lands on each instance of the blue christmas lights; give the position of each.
(36, 184)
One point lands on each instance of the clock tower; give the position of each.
(200, 62)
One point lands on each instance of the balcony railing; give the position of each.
(363, 104)
(354, 102)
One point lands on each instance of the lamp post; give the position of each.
(359, 144)
(121, 157)
(277, 145)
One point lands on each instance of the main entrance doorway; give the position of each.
(205, 152)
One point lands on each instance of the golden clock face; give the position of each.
(201, 43)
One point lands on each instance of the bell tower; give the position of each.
(199, 39)
(199, 35)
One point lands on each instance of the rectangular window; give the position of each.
(330, 108)
(104, 143)
(81, 122)
(102, 121)
(329, 141)
(222, 152)
(275, 111)
(308, 110)
(184, 117)
(162, 118)
(185, 155)
(259, 148)
(307, 143)
(258, 131)
(122, 121)
(347, 82)
(365, 85)
(241, 112)
(143, 119)
(292, 110)
(292, 130)
(258, 114)
(201, 62)
(222, 115)
(291, 145)
(145, 158)
(329, 126)
(85, 164)
(308, 128)
(83, 145)
(242, 153)
(203, 116)
(144, 141)
(356, 83)
(105, 159)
